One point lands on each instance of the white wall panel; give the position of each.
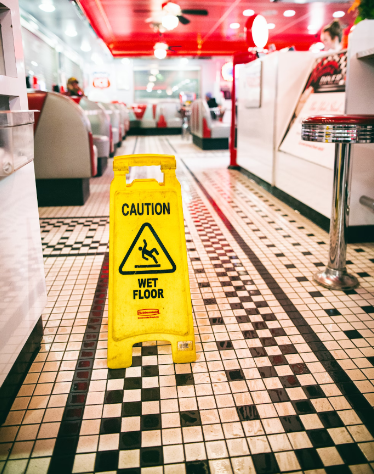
(305, 181)
(255, 131)
(360, 100)
(22, 282)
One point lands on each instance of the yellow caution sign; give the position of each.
(149, 292)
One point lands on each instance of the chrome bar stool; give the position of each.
(343, 130)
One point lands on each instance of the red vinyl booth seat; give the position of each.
(101, 130)
(124, 115)
(207, 133)
(161, 118)
(116, 122)
(65, 154)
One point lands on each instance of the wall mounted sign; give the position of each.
(323, 94)
(101, 82)
(329, 73)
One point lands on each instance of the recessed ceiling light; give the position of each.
(271, 26)
(289, 13)
(159, 91)
(313, 27)
(47, 6)
(85, 46)
(184, 61)
(160, 53)
(71, 31)
(34, 63)
(338, 14)
(234, 26)
(248, 12)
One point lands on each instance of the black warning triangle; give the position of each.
(148, 266)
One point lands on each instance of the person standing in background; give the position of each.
(331, 36)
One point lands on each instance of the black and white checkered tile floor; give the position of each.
(284, 370)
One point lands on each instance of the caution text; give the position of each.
(146, 208)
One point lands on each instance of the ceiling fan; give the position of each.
(173, 9)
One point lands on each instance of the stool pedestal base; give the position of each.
(336, 279)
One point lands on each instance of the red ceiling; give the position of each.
(127, 34)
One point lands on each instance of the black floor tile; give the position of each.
(110, 425)
(190, 418)
(149, 350)
(184, 379)
(258, 352)
(308, 459)
(106, 461)
(197, 467)
(315, 294)
(130, 440)
(341, 469)
(131, 408)
(313, 391)
(265, 463)
(150, 422)
(61, 464)
(353, 334)
(113, 396)
(152, 456)
(332, 312)
(133, 470)
(291, 423)
(289, 381)
(150, 394)
(266, 372)
(288, 349)
(133, 383)
(150, 371)
(320, 438)
(233, 375)
(330, 419)
(351, 453)
(278, 395)
(303, 407)
(248, 412)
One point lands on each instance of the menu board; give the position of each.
(323, 94)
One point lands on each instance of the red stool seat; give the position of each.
(338, 129)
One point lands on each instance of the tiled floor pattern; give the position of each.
(265, 395)
(68, 237)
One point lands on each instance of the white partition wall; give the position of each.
(307, 175)
(360, 100)
(261, 129)
(22, 282)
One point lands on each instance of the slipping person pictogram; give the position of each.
(148, 253)
(157, 258)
